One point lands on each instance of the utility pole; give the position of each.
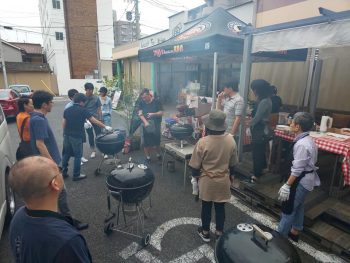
(3, 57)
(98, 55)
(137, 19)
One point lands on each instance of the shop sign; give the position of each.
(160, 52)
(195, 31)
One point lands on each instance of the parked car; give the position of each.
(7, 159)
(22, 89)
(8, 101)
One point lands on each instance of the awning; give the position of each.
(215, 33)
(322, 35)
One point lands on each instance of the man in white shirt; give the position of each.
(230, 102)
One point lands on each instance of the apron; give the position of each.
(288, 206)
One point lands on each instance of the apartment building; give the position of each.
(78, 40)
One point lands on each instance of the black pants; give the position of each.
(259, 157)
(219, 215)
(90, 133)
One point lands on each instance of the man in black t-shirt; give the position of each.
(150, 112)
(38, 233)
(74, 118)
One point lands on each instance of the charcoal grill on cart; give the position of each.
(110, 144)
(181, 132)
(130, 184)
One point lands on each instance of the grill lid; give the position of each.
(130, 176)
(252, 243)
(181, 131)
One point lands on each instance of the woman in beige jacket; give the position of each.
(212, 162)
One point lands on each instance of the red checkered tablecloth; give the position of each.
(330, 145)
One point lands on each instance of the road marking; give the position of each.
(146, 257)
(272, 223)
(129, 251)
(204, 251)
(158, 235)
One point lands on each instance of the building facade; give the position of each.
(124, 31)
(77, 41)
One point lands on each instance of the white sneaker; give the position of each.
(93, 154)
(81, 163)
(105, 156)
(84, 160)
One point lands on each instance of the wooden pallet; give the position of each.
(330, 237)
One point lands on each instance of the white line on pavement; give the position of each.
(204, 251)
(270, 222)
(158, 235)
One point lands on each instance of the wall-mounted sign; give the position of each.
(195, 31)
(160, 52)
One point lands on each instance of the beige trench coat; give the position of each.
(213, 155)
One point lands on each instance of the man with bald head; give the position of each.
(38, 233)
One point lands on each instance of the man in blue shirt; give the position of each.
(73, 124)
(44, 143)
(303, 177)
(38, 233)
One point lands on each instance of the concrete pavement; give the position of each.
(173, 209)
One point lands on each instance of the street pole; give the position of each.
(98, 55)
(3, 63)
(137, 19)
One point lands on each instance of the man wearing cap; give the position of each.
(212, 162)
(93, 105)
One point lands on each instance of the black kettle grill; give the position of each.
(181, 132)
(247, 243)
(129, 184)
(110, 144)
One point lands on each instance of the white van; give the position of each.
(7, 159)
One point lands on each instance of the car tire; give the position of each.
(10, 201)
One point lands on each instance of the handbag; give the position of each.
(24, 148)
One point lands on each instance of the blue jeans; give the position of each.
(106, 119)
(72, 147)
(296, 219)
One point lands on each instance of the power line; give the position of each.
(161, 6)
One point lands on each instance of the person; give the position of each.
(44, 143)
(232, 104)
(25, 106)
(276, 100)
(303, 177)
(150, 111)
(93, 105)
(38, 233)
(106, 108)
(71, 94)
(213, 160)
(259, 127)
(73, 125)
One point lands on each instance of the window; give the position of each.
(59, 35)
(56, 4)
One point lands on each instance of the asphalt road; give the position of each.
(87, 200)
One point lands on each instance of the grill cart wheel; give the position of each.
(108, 229)
(145, 240)
(97, 172)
